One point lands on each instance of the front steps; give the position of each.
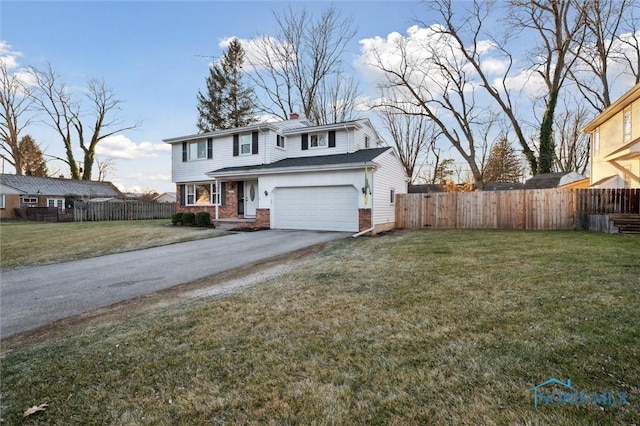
(628, 224)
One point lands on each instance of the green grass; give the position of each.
(433, 327)
(25, 244)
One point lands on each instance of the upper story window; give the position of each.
(626, 124)
(201, 150)
(366, 141)
(200, 194)
(280, 141)
(197, 150)
(318, 140)
(596, 141)
(245, 144)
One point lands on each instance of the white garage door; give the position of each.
(322, 208)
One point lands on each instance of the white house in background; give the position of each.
(290, 175)
(615, 143)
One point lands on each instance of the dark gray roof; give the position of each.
(545, 180)
(426, 188)
(33, 185)
(502, 186)
(361, 156)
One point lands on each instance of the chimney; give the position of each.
(293, 116)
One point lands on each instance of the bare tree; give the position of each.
(16, 102)
(69, 120)
(413, 136)
(105, 168)
(560, 26)
(301, 69)
(631, 40)
(572, 146)
(434, 84)
(603, 46)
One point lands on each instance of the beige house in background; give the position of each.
(615, 143)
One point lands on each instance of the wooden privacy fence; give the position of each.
(123, 211)
(604, 201)
(540, 209)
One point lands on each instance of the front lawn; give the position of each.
(24, 244)
(427, 327)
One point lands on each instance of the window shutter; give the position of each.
(223, 193)
(209, 148)
(332, 139)
(305, 141)
(184, 152)
(236, 145)
(254, 143)
(183, 193)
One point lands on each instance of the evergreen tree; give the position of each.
(33, 163)
(227, 103)
(503, 165)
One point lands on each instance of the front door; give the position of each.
(250, 198)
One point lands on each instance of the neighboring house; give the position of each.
(290, 175)
(32, 191)
(552, 180)
(166, 197)
(615, 143)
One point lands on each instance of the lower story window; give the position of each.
(1, 201)
(55, 202)
(200, 194)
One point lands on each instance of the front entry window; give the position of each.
(201, 194)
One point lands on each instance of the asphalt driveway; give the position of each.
(37, 296)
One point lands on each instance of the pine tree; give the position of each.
(33, 163)
(503, 165)
(227, 103)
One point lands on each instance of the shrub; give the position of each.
(176, 218)
(188, 219)
(203, 219)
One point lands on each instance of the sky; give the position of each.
(155, 56)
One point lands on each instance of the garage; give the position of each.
(321, 208)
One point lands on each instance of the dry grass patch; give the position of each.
(438, 327)
(26, 244)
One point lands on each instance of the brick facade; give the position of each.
(263, 218)
(229, 210)
(364, 219)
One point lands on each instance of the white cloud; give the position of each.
(121, 147)
(7, 56)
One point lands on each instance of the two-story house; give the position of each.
(615, 143)
(290, 175)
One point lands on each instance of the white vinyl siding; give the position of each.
(388, 177)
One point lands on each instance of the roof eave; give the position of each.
(613, 109)
(293, 169)
(221, 133)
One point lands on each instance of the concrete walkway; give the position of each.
(37, 296)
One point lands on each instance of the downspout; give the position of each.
(363, 232)
(219, 195)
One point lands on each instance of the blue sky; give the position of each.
(155, 56)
